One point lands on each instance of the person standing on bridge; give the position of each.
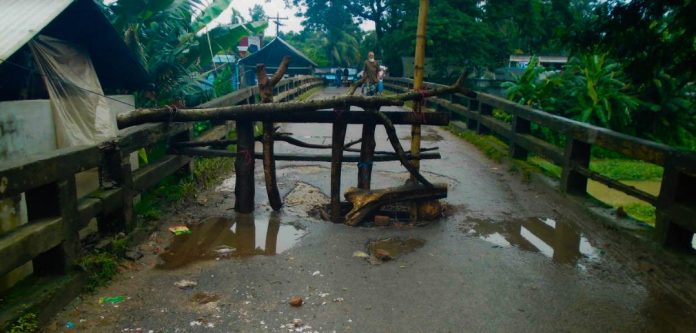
(370, 74)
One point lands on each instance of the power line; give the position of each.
(35, 72)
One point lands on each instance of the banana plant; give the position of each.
(170, 39)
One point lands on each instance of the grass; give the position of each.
(491, 146)
(642, 212)
(626, 169)
(100, 268)
(27, 323)
(620, 169)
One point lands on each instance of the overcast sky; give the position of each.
(273, 7)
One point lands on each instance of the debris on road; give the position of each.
(296, 301)
(383, 255)
(133, 255)
(111, 300)
(178, 230)
(204, 298)
(360, 254)
(185, 284)
(338, 299)
(381, 220)
(69, 325)
(316, 273)
(224, 250)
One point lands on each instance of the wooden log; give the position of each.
(244, 168)
(338, 136)
(303, 157)
(266, 90)
(366, 202)
(269, 169)
(256, 111)
(367, 152)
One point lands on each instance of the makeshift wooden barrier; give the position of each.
(339, 114)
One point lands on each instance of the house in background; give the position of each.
(271, 55)
(65, 73)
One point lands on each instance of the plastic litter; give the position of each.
(70, 324)
(111, 300)
(178, 230)
(360, 254)
(185, 284)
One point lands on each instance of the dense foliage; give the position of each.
(171, 40)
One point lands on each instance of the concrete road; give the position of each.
(508, 256)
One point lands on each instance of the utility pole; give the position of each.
(277, 22)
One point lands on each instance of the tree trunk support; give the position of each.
(367, 152)
(266, 90)
(338, 136)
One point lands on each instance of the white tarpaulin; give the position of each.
(80, 111)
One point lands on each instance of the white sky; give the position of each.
(273, 7)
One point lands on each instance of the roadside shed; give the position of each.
(271, 55)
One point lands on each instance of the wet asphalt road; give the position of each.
(510, 256)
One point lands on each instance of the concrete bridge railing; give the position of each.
(50, 240)
(676, 202)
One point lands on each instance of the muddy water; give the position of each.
(395, 247)
(617, 198)
(224, 237)
(557, 240)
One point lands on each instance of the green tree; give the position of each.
(257, 13)
(655, 40)
(167, 37)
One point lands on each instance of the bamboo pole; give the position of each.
(419, 62)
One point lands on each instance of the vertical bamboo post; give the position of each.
(419, 63)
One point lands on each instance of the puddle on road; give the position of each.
(221, 237)
(394, 247)
(560, 241)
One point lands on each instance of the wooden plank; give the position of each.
(136, 137)
(617, 185)
(303, 157)
(152, 174)
(20, 175)
(641, 149)
(232, 98)
(28, 241)
(540, 147)
(354, 117)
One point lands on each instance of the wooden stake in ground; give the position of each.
(419, 62)
(266, 91)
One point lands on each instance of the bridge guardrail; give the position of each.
(50, 238)
(676, 202)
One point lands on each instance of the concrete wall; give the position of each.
(27, 128)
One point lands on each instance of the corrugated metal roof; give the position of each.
(20, 20)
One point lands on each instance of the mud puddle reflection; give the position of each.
(223, 237)
(391, 248)
(560, 241)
